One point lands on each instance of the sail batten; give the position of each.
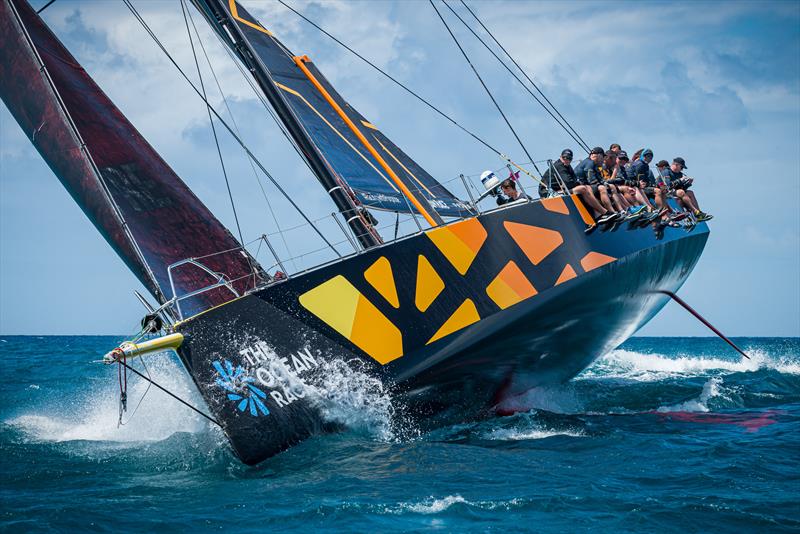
(136, 201)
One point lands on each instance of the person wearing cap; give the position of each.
(664, 179)
(613, 188)
(640, 172)
(680, 184)
(588, 174)
(627, 186)
(562, 171)
(509, 189)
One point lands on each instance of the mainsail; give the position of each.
(142, 208)
(345, 155)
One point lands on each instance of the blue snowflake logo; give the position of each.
(240, 388)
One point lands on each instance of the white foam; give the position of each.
(93, 415)
(711, 389)
(515, 434)
(343, 391)
(348, 395)
(642, 367)
(433, 505)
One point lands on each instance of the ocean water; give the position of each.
(661, 435)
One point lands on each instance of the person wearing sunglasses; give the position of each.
(561, 171)
(680, 184)
(510, 193)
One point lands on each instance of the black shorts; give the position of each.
(650, 192)
(595, 189)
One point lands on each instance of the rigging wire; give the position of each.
(281, 127)
(44, 6)
(211, 121)
(463, 52)
(272, 179)
(582, 142)
(168, 392)
(575, 137)
(393, 79)
(238, 131)
(138, 404)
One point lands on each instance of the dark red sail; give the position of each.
(142, 208)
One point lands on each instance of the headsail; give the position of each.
(142, 208)
(344, 154)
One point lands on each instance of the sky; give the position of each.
(716, 83)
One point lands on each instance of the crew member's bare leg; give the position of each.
(642, 198)
(619, 199)
(690, 194)
(604, 200)
(585, 193)
(661, 200)
(684, 200)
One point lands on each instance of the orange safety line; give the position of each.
(300, 62)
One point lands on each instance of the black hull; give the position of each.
(514, 298)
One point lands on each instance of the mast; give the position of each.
(223, 23)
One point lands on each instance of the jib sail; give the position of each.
(344, 152)
(147, 214)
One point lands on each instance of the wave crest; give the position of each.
(645, 367)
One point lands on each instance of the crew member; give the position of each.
(510, 193)
(588, 173)
(561, 171)
(614, 190)
(680, 184)
(640, 171)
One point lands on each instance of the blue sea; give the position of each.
(660, 435)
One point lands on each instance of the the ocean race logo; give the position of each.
(240, 388)
(280, 378)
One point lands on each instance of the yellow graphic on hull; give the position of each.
(429, 284)
(460, 242)
(465, 315)
(555, 204)
(379, 275)
(510, 287)
(341, 306)
(536, 242)
(593, 260)
(567, 274)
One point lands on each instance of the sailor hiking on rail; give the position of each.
(617, 188)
